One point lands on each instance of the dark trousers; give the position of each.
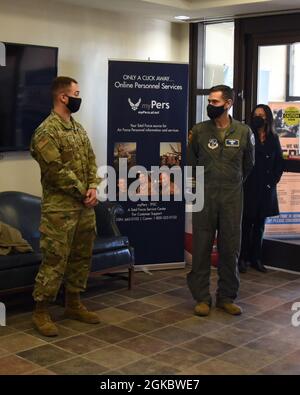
(221, 213)
(252, 238)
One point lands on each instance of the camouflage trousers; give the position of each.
(66, 244)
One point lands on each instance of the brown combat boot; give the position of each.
(42, 320)
(202, 309)
(230, 308)
(75, 310)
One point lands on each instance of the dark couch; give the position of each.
(111, 253)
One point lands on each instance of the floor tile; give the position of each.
(179, 357)
(173, 335)
(62, 334)
(77, 366)
(258, 327)
(288, 365)
(141, 324)
(216, 367)
(112, 299)
(162, 300)
(233, 336)
(18, 342)
(144, 345)
(80, 344)
(160, 286)
(208, 346)
(136, 293)
(81, 327)
(267, 344)
(45, 355)
(264, 300)
(149, 367)
(198, 325)
(167, 316)
(113, 357)
(276, 317)
(247, 359)
(152, 329)
(138, 307)
(112, 334)
(113, 315)
(12, 364)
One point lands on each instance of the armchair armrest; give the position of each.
(106, 218)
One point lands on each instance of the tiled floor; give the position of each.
(152, 330)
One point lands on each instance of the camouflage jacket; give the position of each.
(67, 162)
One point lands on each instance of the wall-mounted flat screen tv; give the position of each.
(25, 92)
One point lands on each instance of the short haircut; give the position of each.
(227, 92)
(60, 84)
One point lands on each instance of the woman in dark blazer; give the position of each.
(260, 195)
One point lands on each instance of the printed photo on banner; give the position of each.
(170, 154)
(125, 150)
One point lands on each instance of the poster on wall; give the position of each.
(147, 128)
(287, 126)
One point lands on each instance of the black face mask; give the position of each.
(74, 103)
(214, 111)
(257, 122)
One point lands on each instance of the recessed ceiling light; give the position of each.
(182, 17)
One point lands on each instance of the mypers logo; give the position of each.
(134, 106)
(2, 314)
(153, 107)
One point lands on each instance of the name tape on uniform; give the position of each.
(232, 143)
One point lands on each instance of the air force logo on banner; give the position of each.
(2, 55)
(232, 143)
(213, 143)
(134, 106)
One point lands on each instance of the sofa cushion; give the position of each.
(19, 260)
(102, 244)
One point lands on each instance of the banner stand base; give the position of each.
(159, 266)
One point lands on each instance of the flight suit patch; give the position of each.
(232, 143)
(213, 143)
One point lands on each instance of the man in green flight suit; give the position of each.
(68, 175)
(225, 147)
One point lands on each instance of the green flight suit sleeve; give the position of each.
(192, 152)
(249, 154)
(192, 149)
(46, 152)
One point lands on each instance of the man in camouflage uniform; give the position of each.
(68, 175)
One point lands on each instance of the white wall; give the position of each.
(86, 40)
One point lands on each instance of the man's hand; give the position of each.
(90, 198)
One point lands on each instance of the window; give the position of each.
(213, 64)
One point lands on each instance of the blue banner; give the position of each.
(147, 126)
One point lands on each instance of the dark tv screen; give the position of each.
(25, 93)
